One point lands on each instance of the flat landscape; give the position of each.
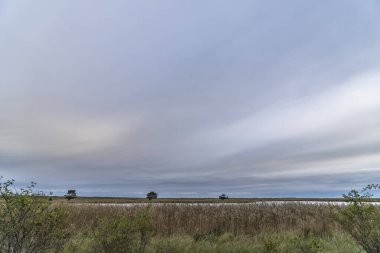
(33, 222)
(200, 225)
(194, 200)
(260, 227)
(189, 126)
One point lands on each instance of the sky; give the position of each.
(190, 98)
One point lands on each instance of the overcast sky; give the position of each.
(190, 98)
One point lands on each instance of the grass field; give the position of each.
(83, 226)
(266, 225)
(256, 228)
(190, 200)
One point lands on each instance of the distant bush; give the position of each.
(361, 219)
(29, 222)
(71, 194)
(223, 197)
(151, 195)
(123, 234)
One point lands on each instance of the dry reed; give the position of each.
(169, 219)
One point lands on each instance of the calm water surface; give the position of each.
(339, 203)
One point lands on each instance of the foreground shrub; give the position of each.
(361, 219)
(265, 243)
(123, 234)
(29, 222)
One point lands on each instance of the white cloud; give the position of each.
(348, 106)
(58, 135)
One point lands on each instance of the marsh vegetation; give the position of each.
(32, 222)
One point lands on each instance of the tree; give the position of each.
(223, 197)
(151, 195)
(29, 222)
(71, 194)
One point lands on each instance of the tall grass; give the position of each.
(31, 222)
(205, 219)
(259, 228)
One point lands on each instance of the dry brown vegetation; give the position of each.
(198, 220)
(33, 222)
(114, 200)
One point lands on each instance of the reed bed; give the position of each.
(202, 220)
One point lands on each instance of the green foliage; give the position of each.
(361, 219)
(151, 195)
(123, 234)
(81, 243)
(29, 222)
(223, 196)
(71, 194)
(266, 243)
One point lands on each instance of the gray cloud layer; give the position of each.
(190, 98)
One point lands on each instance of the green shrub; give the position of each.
(265, 243)
(29, 222)
(123, 234)
(226, 238)
(361, 219)
(80, 243)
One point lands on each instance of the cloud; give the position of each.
(53, 135)
(319, 114)
(190, 99)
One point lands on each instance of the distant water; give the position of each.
(336, 203)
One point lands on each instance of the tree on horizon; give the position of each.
(71, 194)
(223, 197)
(151, 195)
